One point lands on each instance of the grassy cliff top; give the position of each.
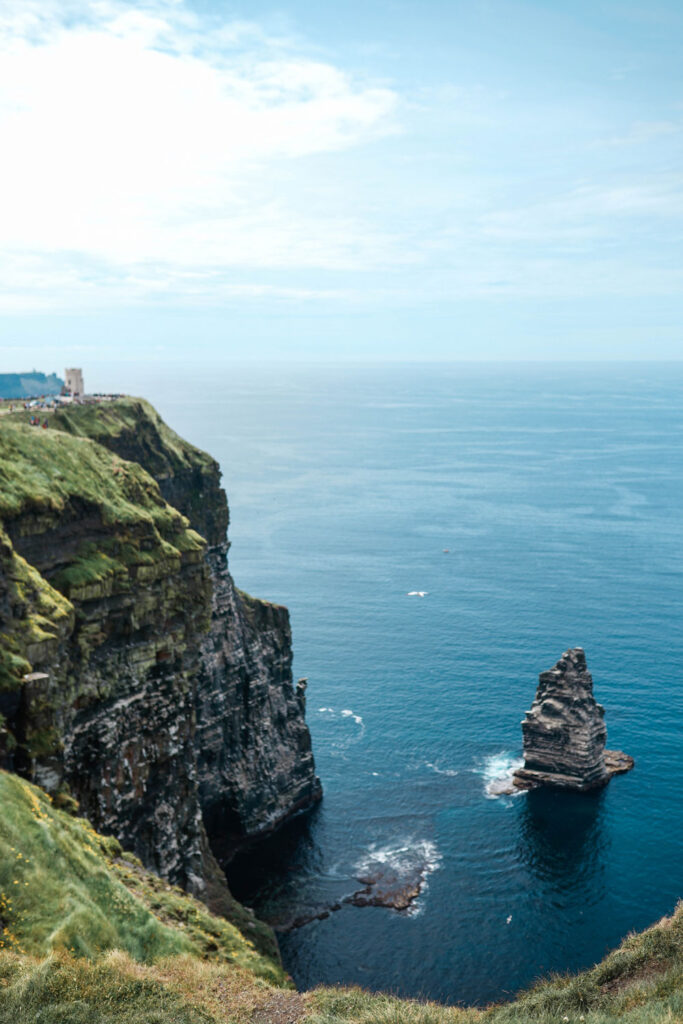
(126, 529)
(42, 470)
(132, 427)
(133, 430)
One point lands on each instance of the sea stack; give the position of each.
(564, 732)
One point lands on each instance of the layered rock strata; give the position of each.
(254, 757)
(564, 732)
(134, 677)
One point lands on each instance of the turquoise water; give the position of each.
(558, 492)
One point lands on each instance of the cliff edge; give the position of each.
(134, 677)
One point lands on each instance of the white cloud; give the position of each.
(135, 134)
(150, 155)
(643, 132)
(585, 213)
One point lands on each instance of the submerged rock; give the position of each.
(564, 732)
(384, 888)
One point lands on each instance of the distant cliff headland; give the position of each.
(26, 385)
(135, 678)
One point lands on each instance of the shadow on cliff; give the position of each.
(563, 839)
(265, 872)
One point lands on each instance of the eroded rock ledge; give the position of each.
(564, 732)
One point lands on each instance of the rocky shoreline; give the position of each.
(379, 890)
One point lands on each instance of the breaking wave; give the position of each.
(497, 771)
(347, 713)
(399, 865)
(402, 856)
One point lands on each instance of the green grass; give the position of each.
(63, 990)
(116, 990)
(38, 614)
(64, 888)
(131, 429)
(88, 935)
(210, 936)
(128, 422)
(48, 477)
(42, 471)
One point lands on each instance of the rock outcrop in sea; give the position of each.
(564, 732)
(134, 676)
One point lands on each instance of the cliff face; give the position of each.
(255, 761)
(160, 697)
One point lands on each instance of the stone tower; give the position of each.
(73, 382)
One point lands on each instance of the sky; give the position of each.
(373, 180)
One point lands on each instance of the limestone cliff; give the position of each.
(564, 731)
(157, 694)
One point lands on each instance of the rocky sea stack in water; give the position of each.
(564, 732)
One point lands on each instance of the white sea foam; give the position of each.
(402, 856)
(345, 737)
(497, 771)
(451, 772)
(405, 858)
(347, 713)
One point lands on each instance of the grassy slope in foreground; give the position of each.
(65, 888)
(90, 937)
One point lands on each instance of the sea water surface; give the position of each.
(539, 507)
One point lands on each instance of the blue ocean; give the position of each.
(535, 508)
